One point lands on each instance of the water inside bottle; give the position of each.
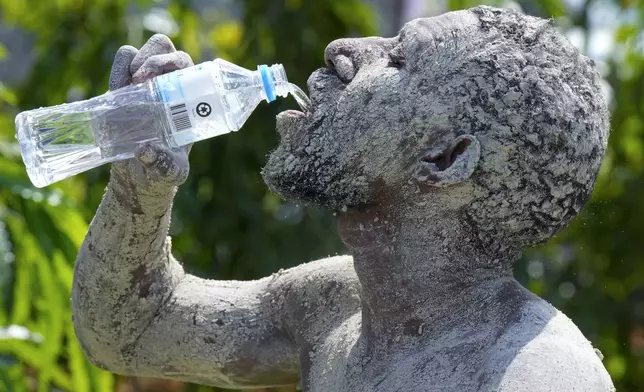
(301, 98)
(60, 141)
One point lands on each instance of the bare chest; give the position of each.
(436, 373)
(339, 364)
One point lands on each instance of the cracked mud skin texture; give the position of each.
(446, 151)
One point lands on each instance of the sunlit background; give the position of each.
(226, 224)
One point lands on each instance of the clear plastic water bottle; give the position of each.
(178, 108)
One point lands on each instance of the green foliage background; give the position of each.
(228, 226)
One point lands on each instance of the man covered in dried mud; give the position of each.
(446, 151)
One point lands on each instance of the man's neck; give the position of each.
(418, 277)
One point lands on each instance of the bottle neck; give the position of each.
(274, 81)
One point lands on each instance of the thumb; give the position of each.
(120, 74)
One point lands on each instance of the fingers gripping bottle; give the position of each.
(178, 108)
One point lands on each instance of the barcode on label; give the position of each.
(180, 117)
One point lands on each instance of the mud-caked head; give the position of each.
(487, 116)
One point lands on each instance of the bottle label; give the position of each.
(191, 96)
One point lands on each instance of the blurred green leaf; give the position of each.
(78, 365)
(553, 8)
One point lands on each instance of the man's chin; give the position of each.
(285, 175)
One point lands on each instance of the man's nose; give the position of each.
(346, 56)
(339, 56)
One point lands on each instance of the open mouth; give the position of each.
(295, 114)
(291, 116)
(318, 84)
(289, 120)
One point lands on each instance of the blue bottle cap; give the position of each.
(266, 82)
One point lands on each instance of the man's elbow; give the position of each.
(98, 339)
(104, 350)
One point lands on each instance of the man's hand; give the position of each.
(157, 169)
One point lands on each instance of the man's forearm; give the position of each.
(123, 274)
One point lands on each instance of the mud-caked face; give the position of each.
(376, 106)
(486, 116)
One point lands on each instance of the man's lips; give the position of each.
(318, 79)
(295, 113)
(291, 116)
(288, 119)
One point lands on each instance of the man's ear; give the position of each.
(442, 168)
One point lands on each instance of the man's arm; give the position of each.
(135, 310)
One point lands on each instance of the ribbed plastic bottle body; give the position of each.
(61, 141)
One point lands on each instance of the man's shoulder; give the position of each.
(326, 288)
(545, 351)
(322, 274)
(555, 365)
